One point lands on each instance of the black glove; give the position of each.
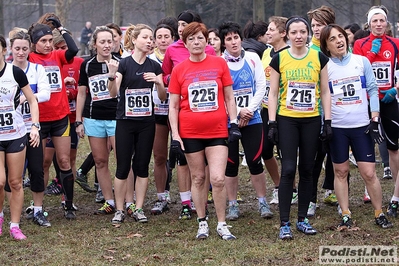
(56, 23)
(234, 132)
(175, 152)
(376, 132)
(272, 135)
(326, 133)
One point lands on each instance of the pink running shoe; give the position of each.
(17, 234)
(1, 225)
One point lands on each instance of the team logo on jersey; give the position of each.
(267, 71)
(309, 65)
(244, 75)
(387, 54)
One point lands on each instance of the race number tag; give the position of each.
(382, 73)
(243, 97)
(98, 87)
(7, 120)
(203, 96)
(53, 74)
(138, 102)
(301, 96)
(265, 99)
(161, 107)
(347, 91)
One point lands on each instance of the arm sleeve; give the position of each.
(83, 79)
(72, 47)
(260, 82)
(275, 63)
(372, 89)
(167, 66)
(20, 77)
(43, 87)
(323, 60)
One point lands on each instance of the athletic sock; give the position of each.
(67, 182)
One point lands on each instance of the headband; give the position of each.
(187, 17)
(375, 11)
(39, 31)
(296, 19)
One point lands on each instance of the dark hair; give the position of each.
(43, 19)
(296, 19)
(115, 27)
(164, 26)
(229, 27)
(3, 41)
(171, 22)
(254, 30)
(192, 29)
(360, 34)
(325, 34)
(354, 27)
(323, 14)
(189, 16)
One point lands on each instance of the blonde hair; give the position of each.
(16, 30)
(132, 33)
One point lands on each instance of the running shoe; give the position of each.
(339, 210)
(74, 207)
(312, 209)
(366, 197)
(224, 232)
(167, 197)
(70, 214)
(305, 227)
(160, 207)
(29, 212)
(26, 182)
(274, 196)
(233, 212)
(393, 209)
(106, 209)
(81, 180)
(40, 219)
(346, 221)
(185, 213)
(119, 217)
(239, 198)
(139, 216)
(330, 198)
(130, 209)
(16, 233)
(210, 198)
(285, 232)
(99, 196)
(203, 230)
(265, 211)
(294, 199)
(387, 173)
(53, 188)
(1, 225)
(383, 222)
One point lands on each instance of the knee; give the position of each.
(159, 159)
(341, 174)
(100, 163)
(198, 179)
(64, 163)
(217, 182)
(15, 183)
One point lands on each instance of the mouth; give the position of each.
(340, 46)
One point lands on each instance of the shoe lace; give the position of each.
(203, 227)
(224, 230)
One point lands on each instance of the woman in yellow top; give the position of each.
(298, 88)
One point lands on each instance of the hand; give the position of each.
(112, 67)
(376, 132)
(242, 123)
(390, 95)
(56, 23)
(246, 114)
(234, 132)
(150, 77)
(80, 131)
(376, 45)
(69, 80)
(176, 152)
(34, 136)
(272, 135)
(326, 133)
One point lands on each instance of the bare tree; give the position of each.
(278, 8)
(1, 16)
(258, 10)
(62, 9)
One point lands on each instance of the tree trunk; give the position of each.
(259, 10)
(278, 8)
(62, 9)
(116, 12)
(375, 2)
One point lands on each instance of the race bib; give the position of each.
(161, 107)
(98, 87)
(265, 99)
(382, 73)
(301, 96)
(138, 102)
(243, 97)
(347, 91)
(53, 74)
(7, 120)
(203, 96)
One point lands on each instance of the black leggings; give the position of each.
(294, 134)
(267, 151)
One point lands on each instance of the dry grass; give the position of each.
(164, 240)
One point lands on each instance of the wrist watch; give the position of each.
(78, 123)
(36, 125)
(234, 121)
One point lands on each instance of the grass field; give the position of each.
(165, 240)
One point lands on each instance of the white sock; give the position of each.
(128, 204)
(221, 224)
(394, 198)
(185, 196)
(1, 214)
(37, 209)
(161, 196)
(111, 202)
(14, 225)
(262, 200)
